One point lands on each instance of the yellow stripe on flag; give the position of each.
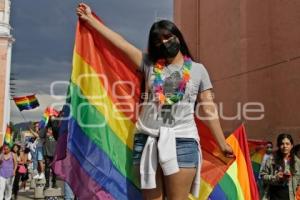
(92, 88)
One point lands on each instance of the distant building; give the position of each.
(252, 52)
(6, 40)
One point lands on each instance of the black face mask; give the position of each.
(169, 49)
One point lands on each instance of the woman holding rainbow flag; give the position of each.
(166, 143)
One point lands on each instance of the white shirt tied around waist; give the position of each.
(161, 147)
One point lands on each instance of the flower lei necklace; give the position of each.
(158, 82)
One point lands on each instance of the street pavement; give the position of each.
(29, 194)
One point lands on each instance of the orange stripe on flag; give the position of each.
(125, 90)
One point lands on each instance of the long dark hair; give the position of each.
(160, 29)
(18, 151)
(279, 156)
(296, 149)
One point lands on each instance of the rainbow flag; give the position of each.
(8, 138)
(26, 102)
(214, 164)
(221, 178)
(238, 181)
(257, 150)
(99, 132)
(49, 111)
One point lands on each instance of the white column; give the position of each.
(6, 110)
(4, 20)
(5, 33)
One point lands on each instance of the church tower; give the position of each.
(6, 41)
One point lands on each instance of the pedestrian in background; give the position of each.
(7, 172)
(281, 173)
(37, 132)
(49, 152)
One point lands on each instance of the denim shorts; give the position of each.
(186, 150)
(39, 153)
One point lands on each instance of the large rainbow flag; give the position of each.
(26, 102)
(103, 95)
(96, 142)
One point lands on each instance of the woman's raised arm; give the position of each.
(134, 54)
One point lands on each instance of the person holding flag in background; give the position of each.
(49, 150)
(40, 135)
(166, 130)
(38, 154)
(48, 113)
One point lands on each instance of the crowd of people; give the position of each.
(279, 173)
(30, 158)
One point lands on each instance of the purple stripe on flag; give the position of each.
(66, 169)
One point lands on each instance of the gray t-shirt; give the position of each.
(49, 146)
(152, 115)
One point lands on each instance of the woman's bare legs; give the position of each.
(158, 192)
(178, 185)
(175, 187)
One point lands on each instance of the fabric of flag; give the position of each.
(257, 149)
(214, 163)
(298, 194)
(238, 182)
(26, 102)
(49, 111)
(104, 91)
(8, 138)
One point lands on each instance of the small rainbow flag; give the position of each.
(8, 138)
(26, 102)
(49, 111)
(257, 150)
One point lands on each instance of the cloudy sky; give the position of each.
(44, 31)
